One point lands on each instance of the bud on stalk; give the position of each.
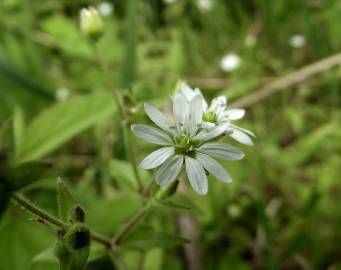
(91, 23)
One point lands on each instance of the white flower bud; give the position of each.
(91, 23)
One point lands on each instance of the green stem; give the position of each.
(128, 143)
(31, 207)
(132, 222)
(124, 117)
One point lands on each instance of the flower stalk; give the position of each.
(123, 115)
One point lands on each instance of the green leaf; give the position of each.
(144, 238)
(45, 260)
(26, 173)
(4, 198)
(66, 203)
(104, 216)
(61, 122)
(67, 36)
(18, 127)
(21, 239)
(123, 173)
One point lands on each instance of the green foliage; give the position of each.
(145, 238)
(64, 120)
(282, 209)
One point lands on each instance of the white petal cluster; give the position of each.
(191, 142)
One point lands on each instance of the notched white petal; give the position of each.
(156, 158)
(187, 91)
(196, 175)
(213, 167)
(248, 132)
(221, 151)
(169, 170)
(180, 107)
(196, 109)
(157, 117)
(216, 131)
(241, 137)
(235, 114)
(151, 134)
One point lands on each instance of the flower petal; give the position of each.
(221, 150)
(241, 137)
(156, 158)
(196, 175)
(196, 109)
(180, 107)
(235, 114)
(157, 117)
(206, 135)
(213, 167)
(248, 132)
(187, 91)
(169, 170)
(151, 134)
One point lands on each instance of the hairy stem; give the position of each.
(31, 207)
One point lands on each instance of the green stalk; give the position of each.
(123, 115)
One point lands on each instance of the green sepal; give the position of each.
(167, 191)
(73, 247)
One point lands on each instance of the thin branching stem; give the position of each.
(132, 222)
(31, 207)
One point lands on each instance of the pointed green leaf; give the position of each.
(66, 203)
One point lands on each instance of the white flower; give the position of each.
(230, 62)
(185, 144)
(218, 113)
(204, 5)
(105, 8)
(297, 41)
(62, 93)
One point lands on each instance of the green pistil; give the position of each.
(210, 117)
(185, 146)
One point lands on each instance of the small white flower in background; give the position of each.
(218, 113)
(205, 5)
(230, 62)
(297, 41)
(62, 93)
(168, 2)
(186, 143)
(105, 8)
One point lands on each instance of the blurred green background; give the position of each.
(282, 209)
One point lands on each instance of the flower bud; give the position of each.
(91, 23)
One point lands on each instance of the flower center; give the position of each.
(210, 117)
(185, 145)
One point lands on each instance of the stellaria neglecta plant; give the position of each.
(192, 141)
